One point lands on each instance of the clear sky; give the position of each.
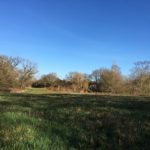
(76, 35)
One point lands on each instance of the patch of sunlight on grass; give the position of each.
(20, 133)
(36, 91)
(3, 98)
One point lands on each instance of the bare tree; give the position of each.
(26, 73)
(8, 72)
(140, 77)
(50, 79)
(95, 77)
(78, 80)
(108, 80)
(15, 61)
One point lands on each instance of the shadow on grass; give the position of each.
(84, 121)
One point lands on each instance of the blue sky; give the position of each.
(76, 35)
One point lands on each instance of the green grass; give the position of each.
(74, 122)
(37, 91)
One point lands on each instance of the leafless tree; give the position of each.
(26, 73)
(49, 79)
(140, 77)
(108, 80)
(8, 72)
(78, 80)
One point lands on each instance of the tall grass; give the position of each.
(73, 122)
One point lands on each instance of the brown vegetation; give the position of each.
(17, 73)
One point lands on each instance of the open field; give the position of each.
(74, 122)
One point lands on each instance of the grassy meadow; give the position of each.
(74, 122)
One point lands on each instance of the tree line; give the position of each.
(16, 72)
